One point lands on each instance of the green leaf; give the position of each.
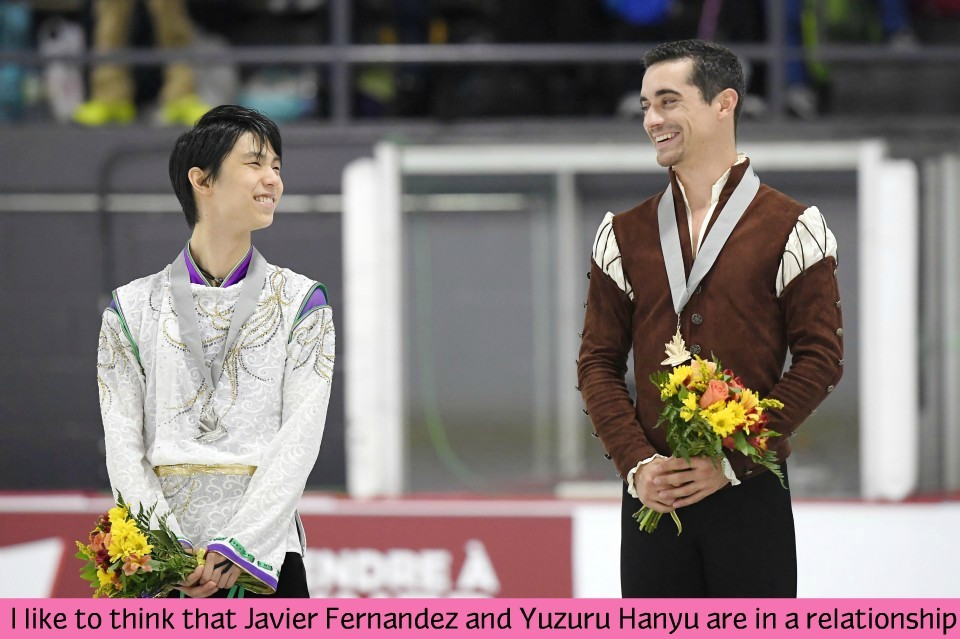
(740, 441)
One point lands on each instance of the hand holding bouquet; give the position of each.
(705, 411)
(126, 559)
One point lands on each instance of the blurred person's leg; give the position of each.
(894, 15)
(112, 89)
(174, 30)
(897, 26)
(801, 99)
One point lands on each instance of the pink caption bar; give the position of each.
(486, 618)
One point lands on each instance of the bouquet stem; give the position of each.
(648, 519)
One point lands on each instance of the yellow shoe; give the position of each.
(186, 110)
(101, 112)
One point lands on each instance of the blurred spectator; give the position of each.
(63, 81)
(112, 87)
(14, 34)
(640, 12)
(810, 21)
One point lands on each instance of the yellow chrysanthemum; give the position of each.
(722, 420)
(678, 376)
(689, 407)
(117, 514)
(105, 577)
(737, 414)
(126, 539)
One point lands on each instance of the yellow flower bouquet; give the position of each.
(126, 559)
(707, 409)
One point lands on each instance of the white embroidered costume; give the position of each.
(236, 493)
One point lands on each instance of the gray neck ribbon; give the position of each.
(189, 323)
(680, 288)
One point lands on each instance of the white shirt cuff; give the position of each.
(729, 474)
(631, 489)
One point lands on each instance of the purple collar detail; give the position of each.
(236, 275)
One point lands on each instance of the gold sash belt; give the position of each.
(186, 470)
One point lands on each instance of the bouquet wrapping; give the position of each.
(707, 409)
(125, 558)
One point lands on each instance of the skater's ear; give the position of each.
(199, 179)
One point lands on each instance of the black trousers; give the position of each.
(738, 542)
(292, 583)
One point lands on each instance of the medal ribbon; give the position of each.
(189, 324)
(680, 288)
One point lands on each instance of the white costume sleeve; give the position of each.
(809, 242)
(255, 538)
(606, 254)
(121, 382)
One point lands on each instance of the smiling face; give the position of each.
(245, 193)
(684, 129)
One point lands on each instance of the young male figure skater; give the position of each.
(742, 272)
(215, 373)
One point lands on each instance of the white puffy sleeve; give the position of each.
(606, 255)
(809, 242)
(121, 382)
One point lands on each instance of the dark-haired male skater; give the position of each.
(215, 373)
(742, 272)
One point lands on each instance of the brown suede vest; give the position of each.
(735, 315)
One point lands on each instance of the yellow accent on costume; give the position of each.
(188, 470)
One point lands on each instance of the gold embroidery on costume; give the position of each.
(312, 348)
(177, 344)
(256, 333)
(110, 355)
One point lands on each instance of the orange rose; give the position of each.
(717, 391)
